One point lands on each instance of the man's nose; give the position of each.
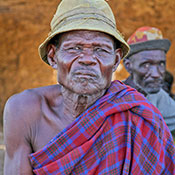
(155, 72)
(87, 57)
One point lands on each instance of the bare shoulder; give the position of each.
(22, 110)
(20, 114)
(21, 105)
(28, 102)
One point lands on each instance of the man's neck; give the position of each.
(75, 104)
(130, 81)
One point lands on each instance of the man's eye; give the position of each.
(76, 48)
(162, 64)
(146, 65)
(99, 49)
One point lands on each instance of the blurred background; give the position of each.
(24, 24)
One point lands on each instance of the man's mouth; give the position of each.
(153, 84)
(85, 73)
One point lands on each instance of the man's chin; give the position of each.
(86, 86)
(85, 89)
(153, 90)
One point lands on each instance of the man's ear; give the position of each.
(128, 65)
(51, 49)
(118, 56)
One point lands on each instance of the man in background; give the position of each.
(146, 63)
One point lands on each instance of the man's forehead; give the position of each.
(86, 34)
(150, 55)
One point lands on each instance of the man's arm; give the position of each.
(16, 132)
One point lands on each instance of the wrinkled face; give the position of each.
(86, 60)
(148, 68)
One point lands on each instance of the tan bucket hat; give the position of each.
(95, 15)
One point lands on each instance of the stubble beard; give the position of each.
(151, 88)
(86, 86)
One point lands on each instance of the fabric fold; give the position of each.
(107, 139)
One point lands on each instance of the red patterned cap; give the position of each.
(147, 38)
(145, 34)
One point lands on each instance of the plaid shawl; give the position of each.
(122, 133)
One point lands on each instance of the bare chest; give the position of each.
(47, 128)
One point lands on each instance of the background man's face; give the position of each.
(148, 68)
(85, 61)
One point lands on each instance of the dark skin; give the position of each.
(85, 61)
(147, 69)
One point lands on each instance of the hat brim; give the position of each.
(87, 24)
(158, 44)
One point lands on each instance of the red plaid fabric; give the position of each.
(122, 133)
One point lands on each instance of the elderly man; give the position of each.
(146, 64)
(86, 124)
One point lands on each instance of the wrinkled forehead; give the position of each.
(86, 35)
(149, 55)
